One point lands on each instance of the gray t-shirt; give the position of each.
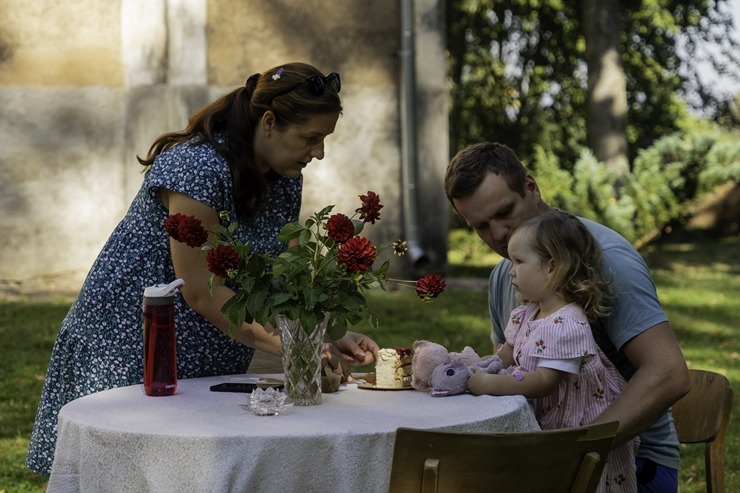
(635, 309)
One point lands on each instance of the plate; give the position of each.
(372, 386)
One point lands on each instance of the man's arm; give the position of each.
(501, 301)
(660, 380)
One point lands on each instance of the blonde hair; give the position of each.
(560, 239)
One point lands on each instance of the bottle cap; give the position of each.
(165, 291)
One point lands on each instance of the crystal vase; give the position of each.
(301, 360)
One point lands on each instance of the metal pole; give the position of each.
(407, 54)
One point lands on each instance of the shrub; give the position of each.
(665, 183)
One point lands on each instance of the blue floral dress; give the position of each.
(99, 345)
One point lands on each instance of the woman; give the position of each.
(243, 154)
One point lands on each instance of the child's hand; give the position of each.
(479, 382)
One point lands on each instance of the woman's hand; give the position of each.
(352, 349)
(357, 349)
(331, 357)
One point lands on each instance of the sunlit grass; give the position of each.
(468, 256)
(27, 333)
(699, 286)
(697, 281)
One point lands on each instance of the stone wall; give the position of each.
(87, 85)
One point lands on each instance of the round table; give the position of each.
(198, 440)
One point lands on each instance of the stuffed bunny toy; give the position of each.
(445, 373)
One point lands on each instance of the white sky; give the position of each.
(721, 86)
(724, 84)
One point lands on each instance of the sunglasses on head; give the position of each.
(317, 84)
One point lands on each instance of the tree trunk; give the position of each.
(606, 103)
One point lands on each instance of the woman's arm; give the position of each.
(192, 268)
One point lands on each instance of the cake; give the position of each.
(393, 368)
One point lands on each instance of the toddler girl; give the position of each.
(550, 352)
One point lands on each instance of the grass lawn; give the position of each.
(698, 281)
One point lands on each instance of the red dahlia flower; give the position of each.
(186, 229)
(171, 225)
(430, 286)
(300, 283)
(370, 210)
(221, 260)
(358, 254)
(340, 228)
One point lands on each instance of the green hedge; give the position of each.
(665, 182)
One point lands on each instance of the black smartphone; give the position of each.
(242, 387)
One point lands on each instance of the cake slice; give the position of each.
(393, 368)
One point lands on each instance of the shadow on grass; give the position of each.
(694, 248)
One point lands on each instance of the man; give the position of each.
(494, 193)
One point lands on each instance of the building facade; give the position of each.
(86, 86)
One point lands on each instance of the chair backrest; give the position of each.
(703, 416)
(565, 460)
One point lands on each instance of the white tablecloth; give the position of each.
(203, 441)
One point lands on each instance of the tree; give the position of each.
(506, 63)
(606, 96)
(518, 69)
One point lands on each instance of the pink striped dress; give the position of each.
(580, 397)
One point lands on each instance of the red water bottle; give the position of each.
(160, 349)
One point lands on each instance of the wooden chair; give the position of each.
(553, 461)
(703, 416)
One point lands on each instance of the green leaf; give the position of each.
(255, 302)
(304, 237)
(281, 298)
(290, 231)
(236, 311)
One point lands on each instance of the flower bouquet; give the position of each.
(318, 281)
